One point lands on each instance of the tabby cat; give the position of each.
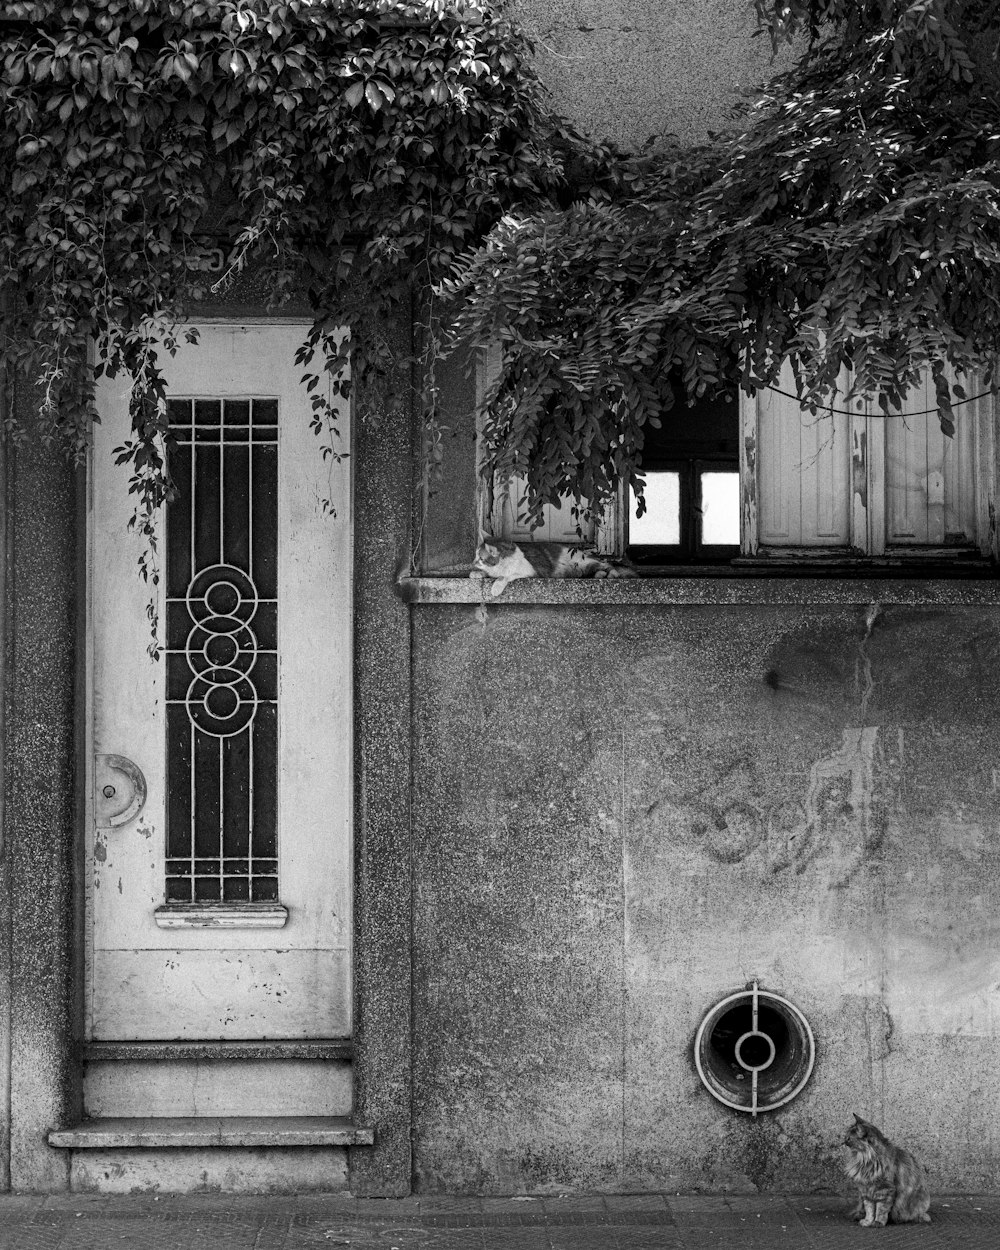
(890, 1181)
(505, 561)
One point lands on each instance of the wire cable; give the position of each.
(848, 412)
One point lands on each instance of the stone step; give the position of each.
(153, 1132)
(215, 1085)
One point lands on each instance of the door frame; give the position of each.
(87, 702)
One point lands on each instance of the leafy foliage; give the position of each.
(355, 146)
(853, 222)
(364, 149)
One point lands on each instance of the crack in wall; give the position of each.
(867, 681)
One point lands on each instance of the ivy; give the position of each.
(353, 148)
(853, 221)
(381, 157)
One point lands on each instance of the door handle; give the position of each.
(119, 791)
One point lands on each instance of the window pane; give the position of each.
(660, 524)
(720, 508)
(222, 552)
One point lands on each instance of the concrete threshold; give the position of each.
(130, 1052)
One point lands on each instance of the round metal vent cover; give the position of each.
(754, 1051)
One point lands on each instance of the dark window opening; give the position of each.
(690, 469)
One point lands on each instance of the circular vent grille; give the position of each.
(754, 1051)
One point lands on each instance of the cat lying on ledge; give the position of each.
(506, 561)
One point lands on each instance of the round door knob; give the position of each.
(108, 792)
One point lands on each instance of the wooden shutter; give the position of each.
(985, 411)
(803, 472)
(559, 525)
(930, 479)
(499, 507)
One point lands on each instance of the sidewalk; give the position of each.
(647, 1222)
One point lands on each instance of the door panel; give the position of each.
(258, 658)
(186, 994)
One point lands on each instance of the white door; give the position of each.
(220, 851)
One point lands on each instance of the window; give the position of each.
(759, 479)
(690, 469)
(865, 484)
(501, 510)
(221, 669)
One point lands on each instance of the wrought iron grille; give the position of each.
(221, 652)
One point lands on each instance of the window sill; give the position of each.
(689, 585)
(221, 916)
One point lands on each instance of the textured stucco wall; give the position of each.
(622, 814)
(629, 70)
(383, 499)
(37, 1026)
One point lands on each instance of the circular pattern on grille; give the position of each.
(221, 650)
(222, 590)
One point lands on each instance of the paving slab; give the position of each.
(586, 1222)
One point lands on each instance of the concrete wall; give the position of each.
(623, 813)
(636, 68)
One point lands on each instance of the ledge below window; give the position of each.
(750, 586)
(221, 916)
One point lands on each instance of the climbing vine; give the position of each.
(381, 157)
(353, 148)
(851, 221)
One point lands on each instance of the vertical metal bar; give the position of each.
(753, 1083)
(278, 461)
(192, 510)
(250, 411)
(222, 560)
(222, 487)
(250, 801)
(191, 498)
(222, 825)
(250, 564)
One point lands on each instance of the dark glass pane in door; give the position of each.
(221, 653)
